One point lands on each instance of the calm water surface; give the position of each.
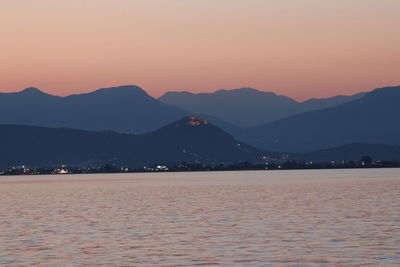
(275, 218)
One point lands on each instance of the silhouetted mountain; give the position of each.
(243, 107)
(320, 103)
(353, 152)
(246, 106)
(130, 109)
(190, 139)
(372, 119)
(123, 109)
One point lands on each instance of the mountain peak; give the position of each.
(247, 89)
(241, 90)
(386, 91)
(123, 90)
(31, 91)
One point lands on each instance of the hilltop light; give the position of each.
(195, 121)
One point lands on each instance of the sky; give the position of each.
(298, 48)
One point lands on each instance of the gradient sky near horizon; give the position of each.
(298, 48)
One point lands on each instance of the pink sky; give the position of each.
(299, 48)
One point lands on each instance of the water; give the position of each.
(274, 218)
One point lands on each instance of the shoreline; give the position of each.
(73, 171)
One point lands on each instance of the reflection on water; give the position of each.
(302, 218)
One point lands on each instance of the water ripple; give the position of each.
(284, 218)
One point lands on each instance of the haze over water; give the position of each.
(302, 218)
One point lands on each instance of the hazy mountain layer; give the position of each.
(372, 119)
(247, 107)
(124, 109)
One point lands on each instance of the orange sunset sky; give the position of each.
(299, 48)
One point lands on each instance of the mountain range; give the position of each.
(246, 107)
(367, 118)
(372, 119)
(130, 109)
(127, 109)
(188, 140)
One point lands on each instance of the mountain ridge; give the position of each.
(370, 119)
(190, 139)
(122, 108)
(248, 107)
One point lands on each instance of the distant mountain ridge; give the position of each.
(130, 109)
(372, 119)
(320, 103)
(248, 107)
(125, 109)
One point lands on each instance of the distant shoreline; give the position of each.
(191, 168)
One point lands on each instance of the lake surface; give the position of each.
(253, 218)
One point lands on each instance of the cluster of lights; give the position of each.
(196, 121)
